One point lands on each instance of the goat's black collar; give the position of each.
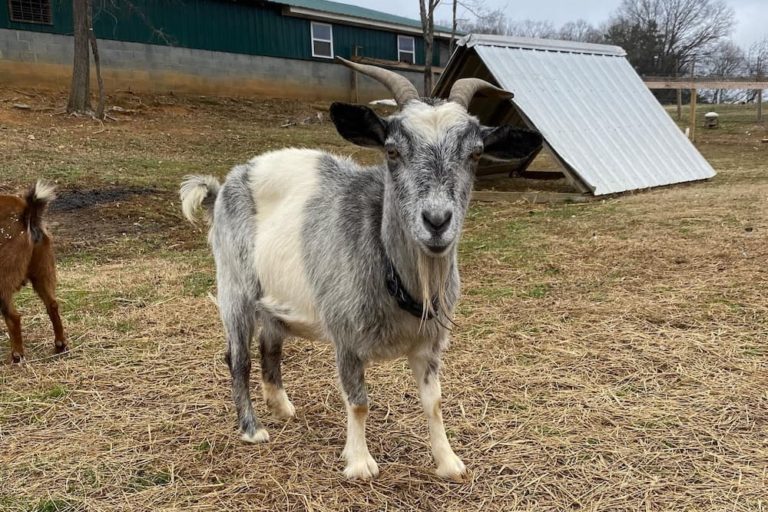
(404, 299)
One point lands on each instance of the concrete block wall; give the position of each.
(46, 59)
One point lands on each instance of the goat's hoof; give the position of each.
(362, 468)
(283, 410)
(17, 358)
(60, 347)
(277, 401)
(259, 436)
(452, 469)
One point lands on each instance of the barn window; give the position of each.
(322, 40)
(406, 49)
(30, 11)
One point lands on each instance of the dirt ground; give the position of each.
(608, 356)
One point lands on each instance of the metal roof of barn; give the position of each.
(596, 115)
(361, 13)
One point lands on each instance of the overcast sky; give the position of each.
(751, 15)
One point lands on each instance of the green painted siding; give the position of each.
(255, 28)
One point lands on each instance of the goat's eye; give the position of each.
(476, 154)
(392, 153)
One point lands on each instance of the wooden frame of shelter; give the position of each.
(707, 82)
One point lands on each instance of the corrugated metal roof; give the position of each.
(542, 44)
(593, 110)
(357, 12)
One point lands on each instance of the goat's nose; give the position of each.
(437, 222)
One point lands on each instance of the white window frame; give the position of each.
(412, 52)
(320, 40)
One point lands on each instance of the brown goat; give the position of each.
(26, 254)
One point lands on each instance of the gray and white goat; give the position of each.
(311, 244)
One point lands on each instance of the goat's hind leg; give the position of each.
(13, 322)
(43, 276)
(239, 317)
(271, 349)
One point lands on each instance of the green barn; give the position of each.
(277, 48)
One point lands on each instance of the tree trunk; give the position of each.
(97, 62)
(79, 92)
(427, 12)
(452, 46)
(428, 66)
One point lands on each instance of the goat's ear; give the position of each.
(509, 143)
(359, 125)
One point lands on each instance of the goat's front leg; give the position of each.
(425, 367)
(360, 464)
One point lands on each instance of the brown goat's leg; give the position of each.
(13, 321)
(45, 290)
(42, 274)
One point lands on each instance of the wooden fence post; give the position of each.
(694, 93)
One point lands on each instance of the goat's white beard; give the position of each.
(433, 276)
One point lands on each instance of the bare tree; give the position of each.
(757, 59)
(532, 28)
(757, 66)
(725, 59)
(79, 91)
(474, 8)
(485, 22)
(580, 30)
(687, 27)
(454, 22)
(427, 13)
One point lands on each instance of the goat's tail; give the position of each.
(37, 199)
(196, 192)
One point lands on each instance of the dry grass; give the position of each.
(609, 356)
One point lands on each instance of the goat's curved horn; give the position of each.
(398, 85)
(465, 89)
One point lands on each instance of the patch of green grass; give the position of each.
(146, 479)
(511, 241)
(658, 424)
(755, 351)
(56, 391)
(204, 447)
(524, 359)
(492, 292)
(548, 431)
(125, 326)
(55, 505)
(731, 305)
(480, 329)
(539, 291)
(199, 284)
(626, 390)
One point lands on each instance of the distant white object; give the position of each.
(389, 103)
(711, 119)
(688, 132)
